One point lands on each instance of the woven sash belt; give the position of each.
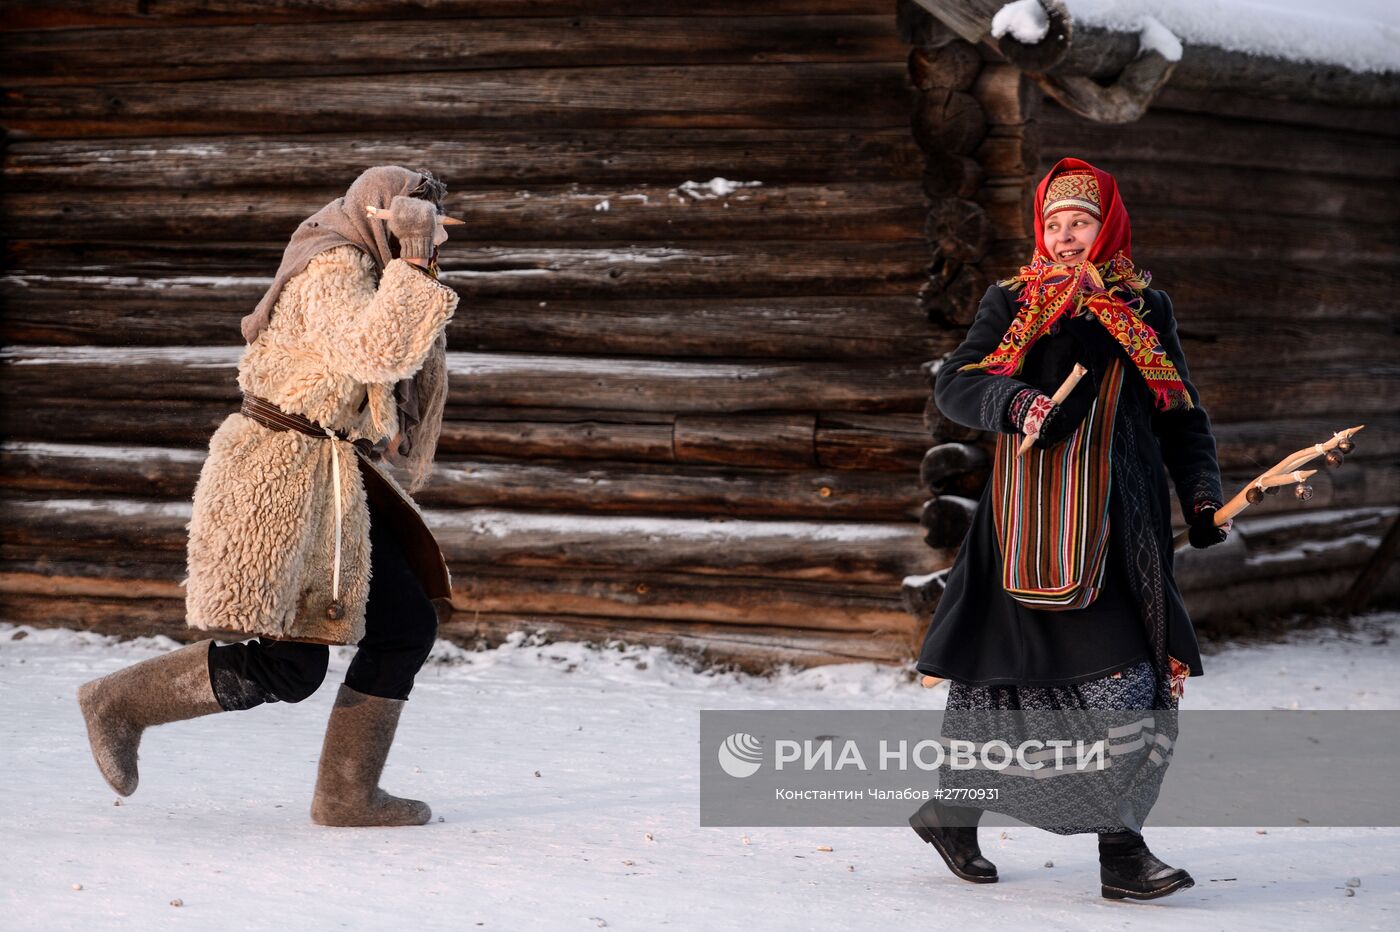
(274, 418)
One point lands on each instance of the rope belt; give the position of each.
(274, 418)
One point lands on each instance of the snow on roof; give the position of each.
(1363, 35)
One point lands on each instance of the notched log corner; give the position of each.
(920, 594)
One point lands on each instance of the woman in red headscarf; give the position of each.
(1062, 595)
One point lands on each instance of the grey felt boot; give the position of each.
(120, 706)
(358, 737)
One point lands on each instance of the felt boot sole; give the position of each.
(358, 737)
(119, 707)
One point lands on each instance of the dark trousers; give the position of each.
(400, 627)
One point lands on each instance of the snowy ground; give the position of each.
(565, 779)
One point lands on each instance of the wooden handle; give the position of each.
(1060, 395)
(1241, 500)
(929, 682)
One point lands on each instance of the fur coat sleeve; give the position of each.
(341, 337)
(373, 331)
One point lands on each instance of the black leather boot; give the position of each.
(957, 845)
(1129, 871)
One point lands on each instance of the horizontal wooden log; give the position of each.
(78, 13)
(954, 66)
(1007, 96)
(868, 211)
(757, 649)
(1294, 113)
(1229, 189)
(96, 578)
(159, 314)
(269, 50)
(585, 435)
(785, 442)
(744, 647)
(737, 601)
(1104, 53)
(181, 373)
(949, 121)
(857, 552)
(1344, 392)
(1257, 444)
(1273, 607)
(946, 520)
(779, 95)
(1247, 289)
(1272, 547)
(464, 159)
(674, 491)
(124, 618)
(87, 469)
(1176, 233)
(672, 597)
(1213, 340)
(1192, 140)
(548, 271)
(883, 442)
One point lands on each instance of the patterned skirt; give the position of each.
(1131, 688)
(1117, 797)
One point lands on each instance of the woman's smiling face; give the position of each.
(1069, 234)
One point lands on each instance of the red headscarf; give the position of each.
(1106, 285)
(1116, 234)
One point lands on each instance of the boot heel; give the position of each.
(920, 830)
(1111, 894)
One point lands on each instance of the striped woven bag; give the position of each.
(1051, 509)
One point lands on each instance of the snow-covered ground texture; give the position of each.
(564, 779)
(1363, 35)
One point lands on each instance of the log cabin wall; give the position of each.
(682, 411)
(1271, 223)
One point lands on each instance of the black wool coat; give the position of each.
(981, 636)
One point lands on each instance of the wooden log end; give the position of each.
(960, 228)
(946, 520)
(1040, 57)
(921, 593)
(956, 468)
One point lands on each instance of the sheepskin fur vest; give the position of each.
(262, 544)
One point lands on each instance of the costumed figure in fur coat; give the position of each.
(298, 537)
(1062, 596)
